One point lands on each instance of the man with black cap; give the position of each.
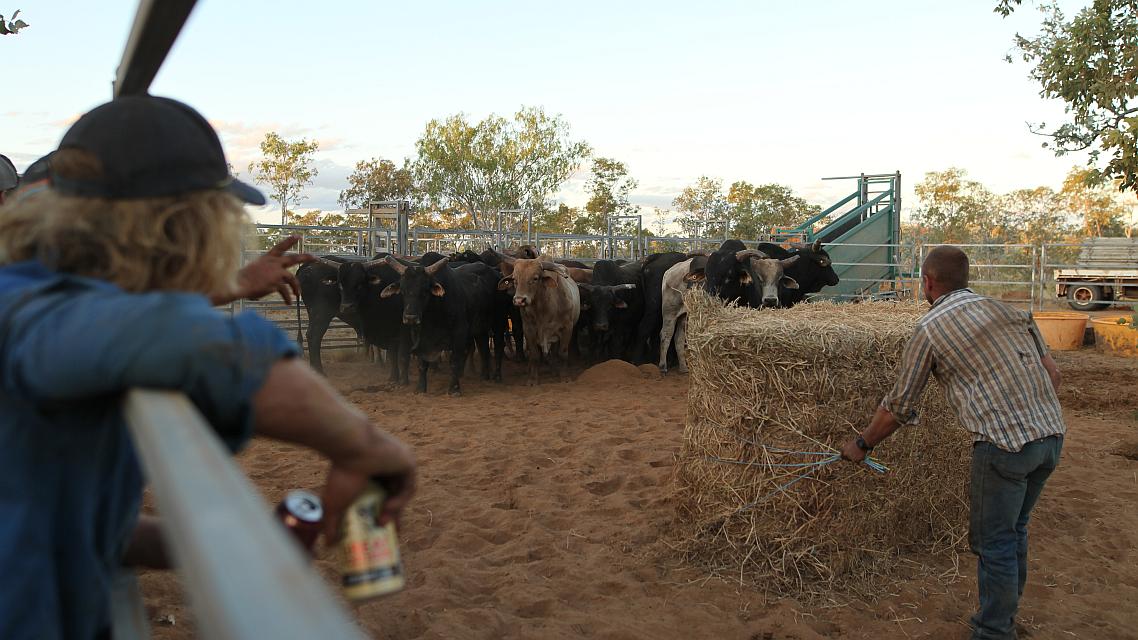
(106, 281)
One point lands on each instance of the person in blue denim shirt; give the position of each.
(107, 282)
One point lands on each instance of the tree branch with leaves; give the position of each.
(609, 187)
(13, 25)
(287, 168)
(1090, 62)
(376, 180)
(496, 163)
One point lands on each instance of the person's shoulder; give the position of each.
(31, 289)
(948, 306)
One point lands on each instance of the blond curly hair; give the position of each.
(190, 242)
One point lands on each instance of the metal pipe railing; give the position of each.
(246, 579)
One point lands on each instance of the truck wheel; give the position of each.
(1085, 297)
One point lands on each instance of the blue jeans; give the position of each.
(1005, 487)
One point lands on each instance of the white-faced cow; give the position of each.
(759, 278)
(737, 274)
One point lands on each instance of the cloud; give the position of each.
(242, 140)
(21, 160)
(652, 200)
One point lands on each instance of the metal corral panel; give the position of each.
(861, 268)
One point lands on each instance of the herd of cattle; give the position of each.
(433, 304)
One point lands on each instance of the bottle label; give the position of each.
(375, 575)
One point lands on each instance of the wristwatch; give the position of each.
(860, 442)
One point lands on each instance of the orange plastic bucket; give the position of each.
(1061, 330)
(1114, 338)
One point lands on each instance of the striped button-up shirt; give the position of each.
(987, 356)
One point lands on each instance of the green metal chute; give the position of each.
(862, 234)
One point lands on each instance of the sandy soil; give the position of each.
(543, 513)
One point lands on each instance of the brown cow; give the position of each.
(583, 276)
(550, 305)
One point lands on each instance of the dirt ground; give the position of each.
(544, 513)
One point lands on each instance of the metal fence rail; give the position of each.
(245, 577)
(1008, 272)
(1019, 274)
(873, 271)
(1075, 260)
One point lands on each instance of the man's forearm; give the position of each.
(218, 299)
(1052, 371)
(298, 405)
(880, 427)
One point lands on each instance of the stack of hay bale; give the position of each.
(772, 391)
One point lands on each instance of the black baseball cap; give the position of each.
(149, 147)
(8, 176)
(38, 170)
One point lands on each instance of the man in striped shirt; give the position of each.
(1001, 382)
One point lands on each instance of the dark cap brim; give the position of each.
(246, 193)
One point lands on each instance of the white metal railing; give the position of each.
(245, 578)
(1009, 272)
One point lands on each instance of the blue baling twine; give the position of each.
(810, 468)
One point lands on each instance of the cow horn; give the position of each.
(750, 253)
(624, 286)
(371, 263)
(395, 264)
(786, 262)
(817, 246)
(437, 266)
(330, 263)
(553, 266)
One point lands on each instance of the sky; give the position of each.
(786, 92)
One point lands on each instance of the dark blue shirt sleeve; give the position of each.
(67, 346)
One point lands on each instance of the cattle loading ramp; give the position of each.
(862, 232)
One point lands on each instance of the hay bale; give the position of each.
(766, 386)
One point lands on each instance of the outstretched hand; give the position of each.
(271, 273)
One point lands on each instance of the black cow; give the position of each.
(465, 256)
(612, 305)
(812, 272)
(445, 309)
(381, 319)
(504, 309)
(320, 293)
(737, 274)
